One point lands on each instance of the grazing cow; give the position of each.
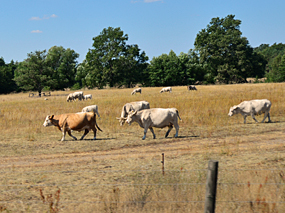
(78, 95)
(155, 117)
(70, 97)
(92, 108)
(166, 89)
(85, 97)
(253, 107)
(136, 90)
(191, 87)
(73, 121)
(132, 106)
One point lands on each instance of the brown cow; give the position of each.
(73, 121)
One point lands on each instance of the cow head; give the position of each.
(130, 117)
(233, 110)
(48, 121)
(121, 120)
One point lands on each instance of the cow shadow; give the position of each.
(99, 139)
(90, 139)
(188, 136)
(266, 122)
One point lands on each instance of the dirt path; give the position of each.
(270, 141)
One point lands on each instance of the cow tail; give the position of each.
(178, 115)
(94, 117)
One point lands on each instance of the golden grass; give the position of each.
(119, 172)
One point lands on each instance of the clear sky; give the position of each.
(156, 26)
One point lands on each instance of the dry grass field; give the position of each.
(120, 172)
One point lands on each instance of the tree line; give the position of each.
(220, 55)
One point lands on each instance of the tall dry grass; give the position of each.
(87, 175)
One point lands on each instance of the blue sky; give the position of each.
(156, 26)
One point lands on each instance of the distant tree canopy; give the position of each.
(221, 55)
(274, 55)
(169, 70)
(226, 53)
(7, 84)
(62, 63)
(54, 70)
(112, 62)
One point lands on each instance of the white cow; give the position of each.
(85, 97)
(92, 108)
(253, 107)
(78, 95)
(132, 106)
(136, 90)
(70, 97)
(155, 117)
(166, 89)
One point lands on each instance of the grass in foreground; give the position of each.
(97, 174)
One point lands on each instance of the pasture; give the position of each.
(120, 172)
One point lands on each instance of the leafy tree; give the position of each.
(62, 64)
(169, 70)
(272, 54)
(191, 68)
(7, 84)
(163, 70)
(112, 62)
(34, 73)
(228, 55)
(277, 73)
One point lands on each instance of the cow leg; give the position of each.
(244, 119)
(69, 132)
(151, 129)
(266, 114)
(252, 115)
(177, 130)
(269, 121)
(94, 130)
(63, 135)
(170, 127)
(85, 133)
(144, 132)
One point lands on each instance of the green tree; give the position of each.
(169, 70)
(62, 64)
(277, 72)
(227, 54)
(34, 73)
(7, 84)
(272, 55)
(191, 70)
(112, 62)
(164, 70)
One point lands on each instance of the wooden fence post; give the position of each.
(162, 167)
(211, 187)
